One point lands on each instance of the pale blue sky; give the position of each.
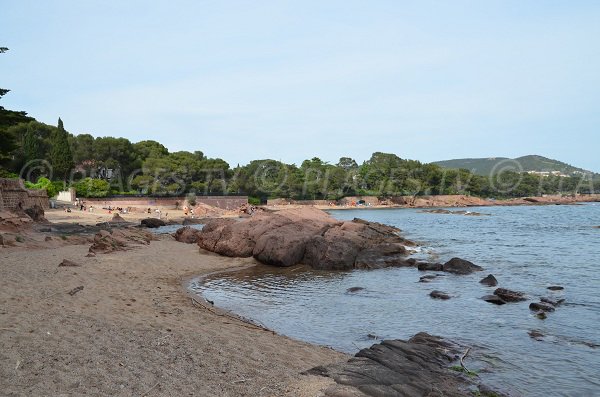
(289, 80)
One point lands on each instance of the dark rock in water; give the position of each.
(460, 266)
(398, 368)
(535, 334)
(510, 296)
(427, 278)
(495, 299)
(68, 263)
(354, 289)
(187, 235)
(372, 336)
(552, 302)
(556, 288)
(424, 266)
(152, 222)
(489, 280)
(541, 315)
(544, 307)
(439, 295)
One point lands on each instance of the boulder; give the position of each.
(489, 280)
(152, 223)
(543, 307)
(187, 235)
(439, 295)
(36, 213)
(510, 296)
(495, 299)
(460, 266)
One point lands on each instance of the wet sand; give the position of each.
(134, 330)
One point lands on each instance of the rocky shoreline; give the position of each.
(420, 366)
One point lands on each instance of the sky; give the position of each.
(291, 80)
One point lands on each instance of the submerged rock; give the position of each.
(552, 302)
(427, 278)
(536, 334)
(510, 296)
(439, 295)
(354, 289)
(544, 307)
(556, 288)
(489, 280)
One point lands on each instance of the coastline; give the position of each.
(133, 329)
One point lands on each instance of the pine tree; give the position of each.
(60, 154)
(31, 145)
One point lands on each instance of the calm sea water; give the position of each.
(526, 248)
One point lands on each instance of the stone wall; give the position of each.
(223, 202)
(14, 196)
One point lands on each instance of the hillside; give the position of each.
(485, 166)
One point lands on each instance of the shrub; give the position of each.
(89, 187)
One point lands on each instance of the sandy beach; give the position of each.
(134, 330)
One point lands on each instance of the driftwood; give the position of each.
(75, 290)
(462, 364)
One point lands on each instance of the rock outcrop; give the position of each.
(417, 367)
(118, 240)
(309, 236)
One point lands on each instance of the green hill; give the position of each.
(486, 166)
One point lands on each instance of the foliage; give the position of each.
(52, 188)
(90, 187)
(191, 199)
(61, 157)
(470, 374)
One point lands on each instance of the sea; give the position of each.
(527, 248)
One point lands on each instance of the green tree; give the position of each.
(60, 154)
(89, 187)
(8, 118)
